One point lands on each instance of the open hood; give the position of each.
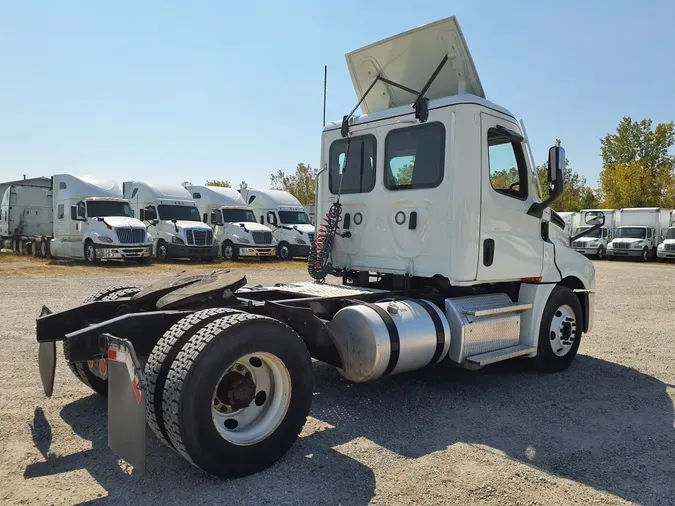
(410, 59)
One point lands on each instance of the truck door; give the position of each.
(511, 246)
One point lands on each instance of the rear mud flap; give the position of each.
(47, 360)
(126, 403)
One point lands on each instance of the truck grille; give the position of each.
(622, 245)
(130, 235)
(669, 247)
(197, 237)
(311, 237)
(262, 237)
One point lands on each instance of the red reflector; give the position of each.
(531, 280)
(112, 354)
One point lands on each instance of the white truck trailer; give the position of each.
(442, 258)
(25, 212)
(235, 226)
(89, 220)
(666, 250)
(286, 216)
(172, 219)
(595, 244)
(639, 232)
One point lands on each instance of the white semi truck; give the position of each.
(235, 226)
(595, 244)
(286, 216)
(89, 219)
(666, 250)
(639, 232)
(173, 220)
(441, 253)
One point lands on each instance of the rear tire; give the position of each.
(83, 370)
(44, 249)
(560, 331)
(161, 358)
(219, 374)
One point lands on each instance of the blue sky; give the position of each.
(175, 90)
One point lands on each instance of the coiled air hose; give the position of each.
(318, 262)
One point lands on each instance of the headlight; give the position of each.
(242, 240)
(148, 238)
(299, 241)
(177, 240)
(661, 246)
(592, 244)
(610, 246)
(105, 238)
(636, 245)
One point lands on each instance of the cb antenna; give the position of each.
(325, 79)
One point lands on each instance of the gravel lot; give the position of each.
(601, 432)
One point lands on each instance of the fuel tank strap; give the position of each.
(395, 349)
(440, 331)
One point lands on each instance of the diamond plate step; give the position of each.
(499, 355)
(323, 289)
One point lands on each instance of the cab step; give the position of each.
(498, 355)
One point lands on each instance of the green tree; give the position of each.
(573, 191)
(637, 169)
(302, 184)
(223, 184)
(243, 185)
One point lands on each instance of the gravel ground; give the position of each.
(601, 432)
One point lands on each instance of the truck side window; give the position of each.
(414, 157)
(60, 212)
(508, 170)
(649, 233)
(359, 174)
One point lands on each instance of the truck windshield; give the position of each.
(183, 213)
(597, 233)
(293, 218)
(670, 234)
(238, 215)
(103, 208)
(631, 232)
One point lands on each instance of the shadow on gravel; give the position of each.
(598, 423)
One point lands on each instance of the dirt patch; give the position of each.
(599, 433)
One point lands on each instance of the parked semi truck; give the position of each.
(235, 226)
(89, 219)
(639, 232)
(173, 220)
(286, 216)
(595, 244)
(434, 256)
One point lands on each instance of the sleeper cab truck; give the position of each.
(173, 219)
(594, 245)
(286, 216)
(236, 229)
(639, 232)
(26, 213)
(442, 248)
(89, 220)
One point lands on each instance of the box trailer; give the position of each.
(173, 220)
(437, 252)
(88, 220)
(235, 226)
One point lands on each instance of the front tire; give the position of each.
(90, 252)
(238, 394)
(560, 331)
(284, 251)
(644, 256)
(230, 251)
(162, 251)
(601, 253)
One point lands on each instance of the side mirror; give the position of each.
(556, 162)
(216, 218)
(80, 213)
(595, 218)
(272, 218)
(73, 213)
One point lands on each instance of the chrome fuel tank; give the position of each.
(383, 338)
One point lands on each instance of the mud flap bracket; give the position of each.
(47, 360)
(126, 403)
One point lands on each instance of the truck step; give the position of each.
(498, 355)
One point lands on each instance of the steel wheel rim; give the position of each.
(644, 254)
(91, 254)
(161, 252)
(251, 398)
(228, 252)
(284, 251)
(562, 332)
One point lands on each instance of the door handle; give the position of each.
(488, 252)
(412, 222)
